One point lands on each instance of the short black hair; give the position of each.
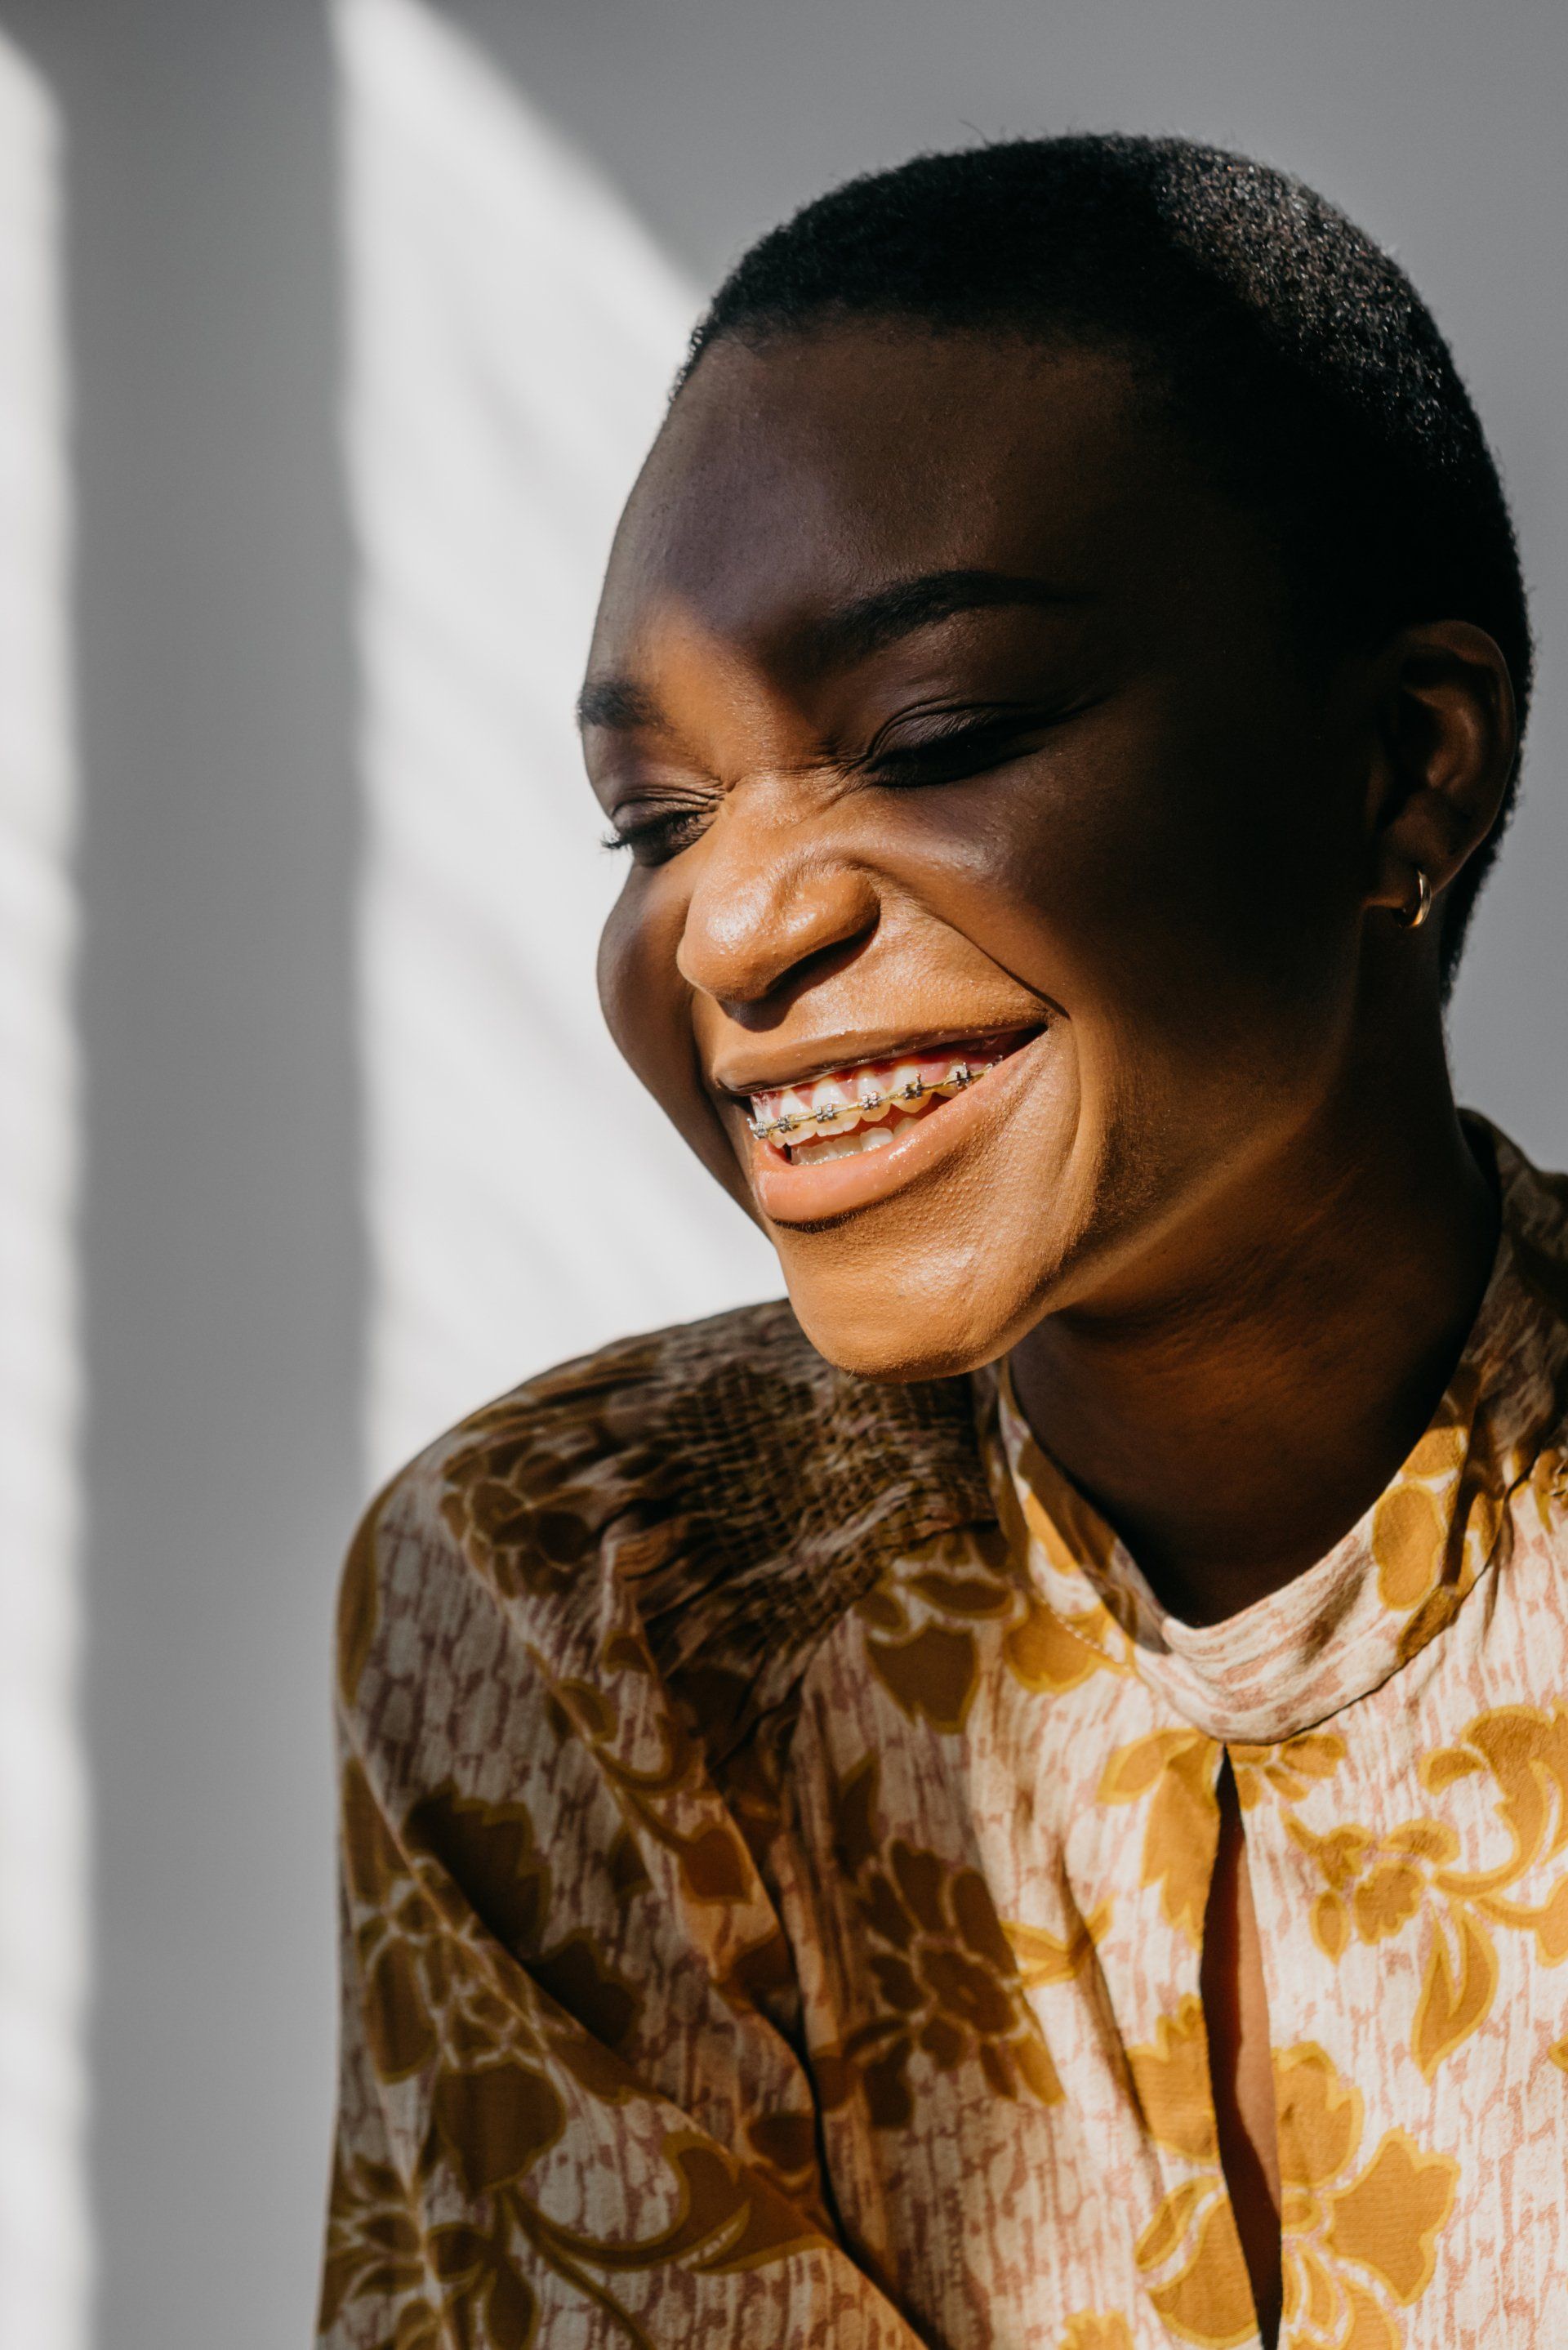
(1292, 347)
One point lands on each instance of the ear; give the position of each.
(1450, 739)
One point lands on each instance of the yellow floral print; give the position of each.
(1179, 1770)
(448, 2008)
(1046, 1958)
(1354, 2240)
(919, 1630)
(1375, 1886)
(946, 1980)
(1287, 1770)
(1358, 2239)
(1189, 2252)
(1412, 1528)
(1096, 2329)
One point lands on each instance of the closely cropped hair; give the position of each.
(1298, 356)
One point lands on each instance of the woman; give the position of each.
(1019, 1798)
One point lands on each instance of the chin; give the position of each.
(947, 1277)
(892, 1329)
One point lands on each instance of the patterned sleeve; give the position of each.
(570, 2111)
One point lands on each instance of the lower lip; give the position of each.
(788, 1194)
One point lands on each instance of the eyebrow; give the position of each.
(850, 633)
(614, 702)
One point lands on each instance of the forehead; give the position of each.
(788, 478)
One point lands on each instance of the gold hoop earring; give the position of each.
(1412, 917)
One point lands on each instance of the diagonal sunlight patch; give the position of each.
(43, 2257)
(511, 334)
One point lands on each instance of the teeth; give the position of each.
(838, 1146)
(832, 1107)
(846, 1146)
(865, 1107)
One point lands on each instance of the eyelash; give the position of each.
(953, 754)
(956, 754)
(655, 833)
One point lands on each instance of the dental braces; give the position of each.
(959, 1075)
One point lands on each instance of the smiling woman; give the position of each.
(875, 1821)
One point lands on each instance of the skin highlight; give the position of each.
(942, 694)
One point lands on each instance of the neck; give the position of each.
(1238, 1414)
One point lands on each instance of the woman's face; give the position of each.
(966, 760)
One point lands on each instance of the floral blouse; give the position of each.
(777, 1824)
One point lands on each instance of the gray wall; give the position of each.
(223, 1255)
(221, 1273)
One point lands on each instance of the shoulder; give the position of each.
(1535, 1217)
(739, 1488)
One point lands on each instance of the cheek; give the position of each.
(640, 991)
(646, 1009)
(1150, 885)
(1190, 870)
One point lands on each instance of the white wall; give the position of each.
(512, 335)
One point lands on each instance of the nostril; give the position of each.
(753, 947)
(762, 1009)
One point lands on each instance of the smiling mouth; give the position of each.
(869, 1105)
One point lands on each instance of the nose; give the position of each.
(767, 905)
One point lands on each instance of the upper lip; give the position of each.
(802, 1065)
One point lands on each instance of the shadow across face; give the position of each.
(959, 730)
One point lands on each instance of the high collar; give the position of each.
(1398, 1577)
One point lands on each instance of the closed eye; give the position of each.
(654, 831)
(949, 745)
